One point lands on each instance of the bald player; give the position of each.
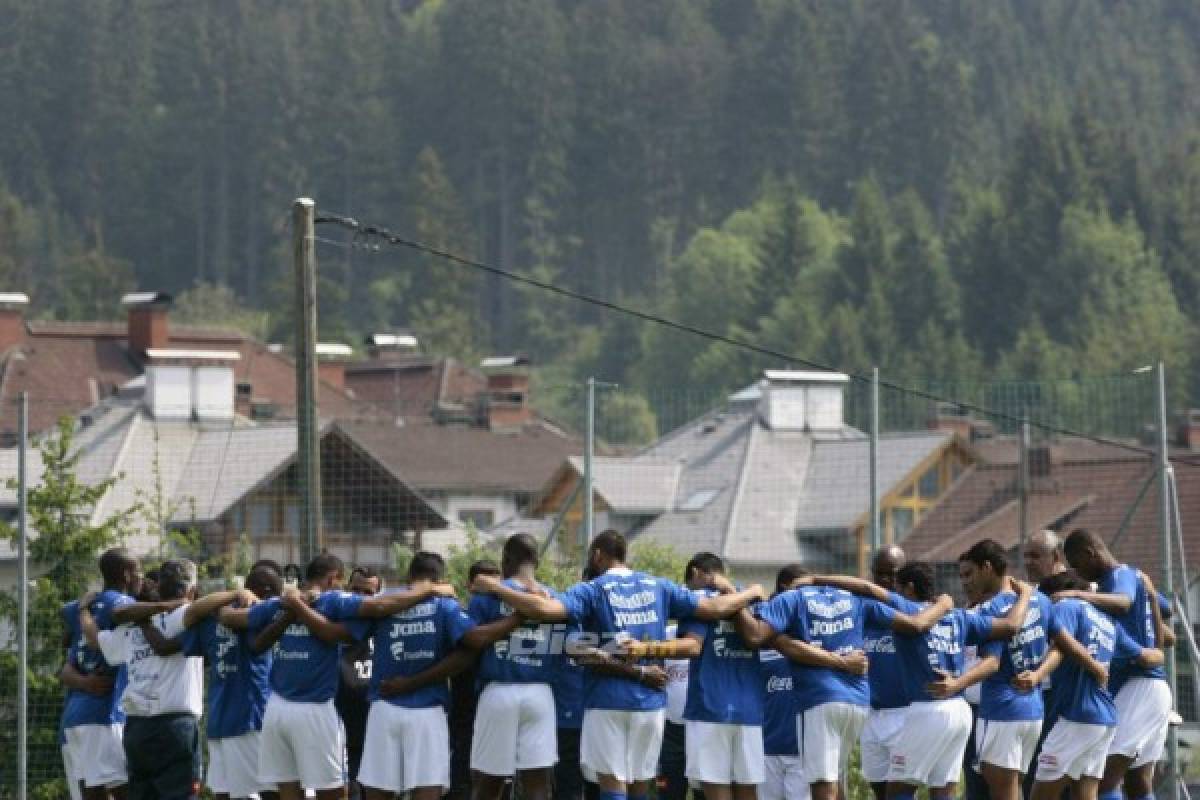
(1044, 556)
(886, 716)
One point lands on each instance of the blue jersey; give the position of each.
(781, 704)
(1138, 622)
(999, 699)
(238, 680)
(883, 673)
(304, 669)
(412, 641)
(85, 708)
(724, 682)
(832, 620)
(530, 654)
(940, 648)
(1077, 696)
(624, 603)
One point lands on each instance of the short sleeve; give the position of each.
(172, 623)
(579, 601)
(681, 601)
(483, 608)
(121, 600)
(691, 625)
(780, 611)
(1125, 648)
(261, 614)
(977, 629)
(456, 621)
(877, 614)
(902, 604)
(113, 644)
(344, 606)
(1125, 582)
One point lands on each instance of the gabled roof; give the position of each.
(67, 367)
(641, 487)
(430, 456)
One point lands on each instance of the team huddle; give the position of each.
(572, 695)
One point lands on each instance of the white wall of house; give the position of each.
(458, 507)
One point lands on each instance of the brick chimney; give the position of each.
(507, 398)
(1187, 432)
(147, 321)
(12, 319)
(331, 363)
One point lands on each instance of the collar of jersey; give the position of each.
(623, 572)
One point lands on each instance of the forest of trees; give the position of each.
(947, 189)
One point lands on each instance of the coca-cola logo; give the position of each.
(779, 683)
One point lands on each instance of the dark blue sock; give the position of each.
(1115, 794)
(910, 795)
(612, 795)
(639, 797)
(1146, 797)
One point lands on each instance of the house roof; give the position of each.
(430, 456)
(727, 483)
(414, 385)
(1090, 485)
(66, 367)
(194, 472)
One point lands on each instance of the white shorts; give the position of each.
(70, 771)
(98, 754)
(724, 754)
(930, 751)
(233, 766)
(1143, 708)
(405, 748)
(876, 742)
(783, 779)
(623, 744)
(515, 729)
(1007, 744)
(301, 742)
(1074, 750)
(827, 734)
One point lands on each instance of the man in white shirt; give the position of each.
(164, 697)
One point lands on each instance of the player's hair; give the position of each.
(113, 563)
(176, 578)
(704, 562)
(151, 575)
(267, 563)
(521, 549)
(787, 575)
(484, 566)
(426, 566)
(920, 575)
(1081, 538)
(262, 577)
(1062, 581)
(323, 565)
(611, 543)
(987, 551)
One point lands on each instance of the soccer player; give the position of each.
(93, 722)
(164, 699)
(351, 699)
(408, 741)
(1142, 697)
(301, 743)
(1076, 749)
(515, 734)
(1010, 721)
(238, 678)
(832, 702)
(623, 720)
(886, 716)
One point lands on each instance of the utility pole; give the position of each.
(22, 602)
(589, 455)
(1168, 572)
(308, 439)
(876, 533)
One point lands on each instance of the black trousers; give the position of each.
(568, 776)
(163, 757)
(974, 786)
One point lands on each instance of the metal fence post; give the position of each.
(589, 454)
(1164, 522)
(22, 604)
(308, 437)
(876, 534)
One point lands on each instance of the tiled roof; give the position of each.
(633, 486)
(412, 386)
(429, 456)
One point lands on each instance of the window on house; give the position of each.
(928, 485)
(829, 550)
(902, 522)
(258, 519)
(482, 519)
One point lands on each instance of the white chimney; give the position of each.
(191, 384)
(796, 401)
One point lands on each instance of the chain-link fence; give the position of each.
(193, 453)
